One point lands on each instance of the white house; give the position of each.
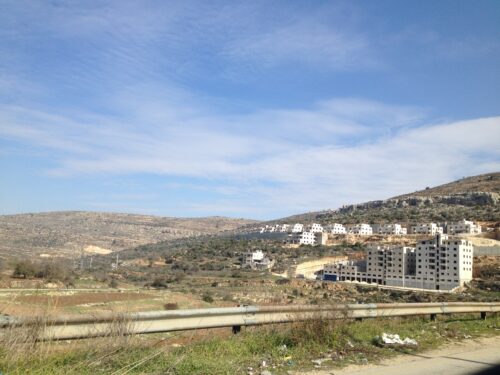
(257, 260)
(303, 238)
(316, 228)
(336, 228)
(395, 229)
(297, 228)
(359, 229)
(427, 228)
(463, 226)
(285, 228)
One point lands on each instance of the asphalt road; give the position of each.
(481, 356)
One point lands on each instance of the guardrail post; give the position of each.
(433, 317)
(236, 329)
(483, 315)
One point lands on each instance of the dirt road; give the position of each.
(467, 357)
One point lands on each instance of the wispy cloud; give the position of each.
(308, 158)
(124, 88)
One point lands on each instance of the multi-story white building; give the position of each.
(360, 229)
(439, 264)
(463, 226)
(345, 271)
(427, 228)
(297, 228)
(316, 228)
(336, 229)
(443, 263)
(308, 238)
(303, 238)
(395, 229)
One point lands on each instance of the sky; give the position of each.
(255, 109)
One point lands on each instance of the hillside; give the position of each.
(485, 183)
(68, 233)
(476, 198)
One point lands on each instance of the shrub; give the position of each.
(24, 269)
(50, 271)
(159, 282)
(113, 283)
(207, 297)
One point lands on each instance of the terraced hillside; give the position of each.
(476, 198)
(70, 233)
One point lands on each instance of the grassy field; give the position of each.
(281, 347)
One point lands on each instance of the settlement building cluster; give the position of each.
(315, 234)
(441, 263)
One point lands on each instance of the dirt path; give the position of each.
(467, 357)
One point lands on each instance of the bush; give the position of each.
(113, 283)
(160, 282)
(171, 306)
(207, 297)
(24, 269)
(50, 271)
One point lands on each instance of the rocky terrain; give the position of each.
(476, 198)
(69, 233)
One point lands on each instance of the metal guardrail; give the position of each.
(87, 326)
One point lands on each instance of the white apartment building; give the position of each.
(336, 229)
(303, 238)
(463, 226)
(444, 263)
(439, 264)
(359, 229)
(316, 228)
(297, 228)
(427, 228)
(395, 229)
(345, 271)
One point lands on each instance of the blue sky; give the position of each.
(251, 109)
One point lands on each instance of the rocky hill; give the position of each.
(485, 183)
(476, 198)
(69, 233)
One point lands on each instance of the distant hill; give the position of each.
(68, 233)
(476, 198)
(485, 183)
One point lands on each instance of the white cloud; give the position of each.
(333, 152)
(284, 160)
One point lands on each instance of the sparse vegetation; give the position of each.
(53, 271)
(196, 271)
(281, 348)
